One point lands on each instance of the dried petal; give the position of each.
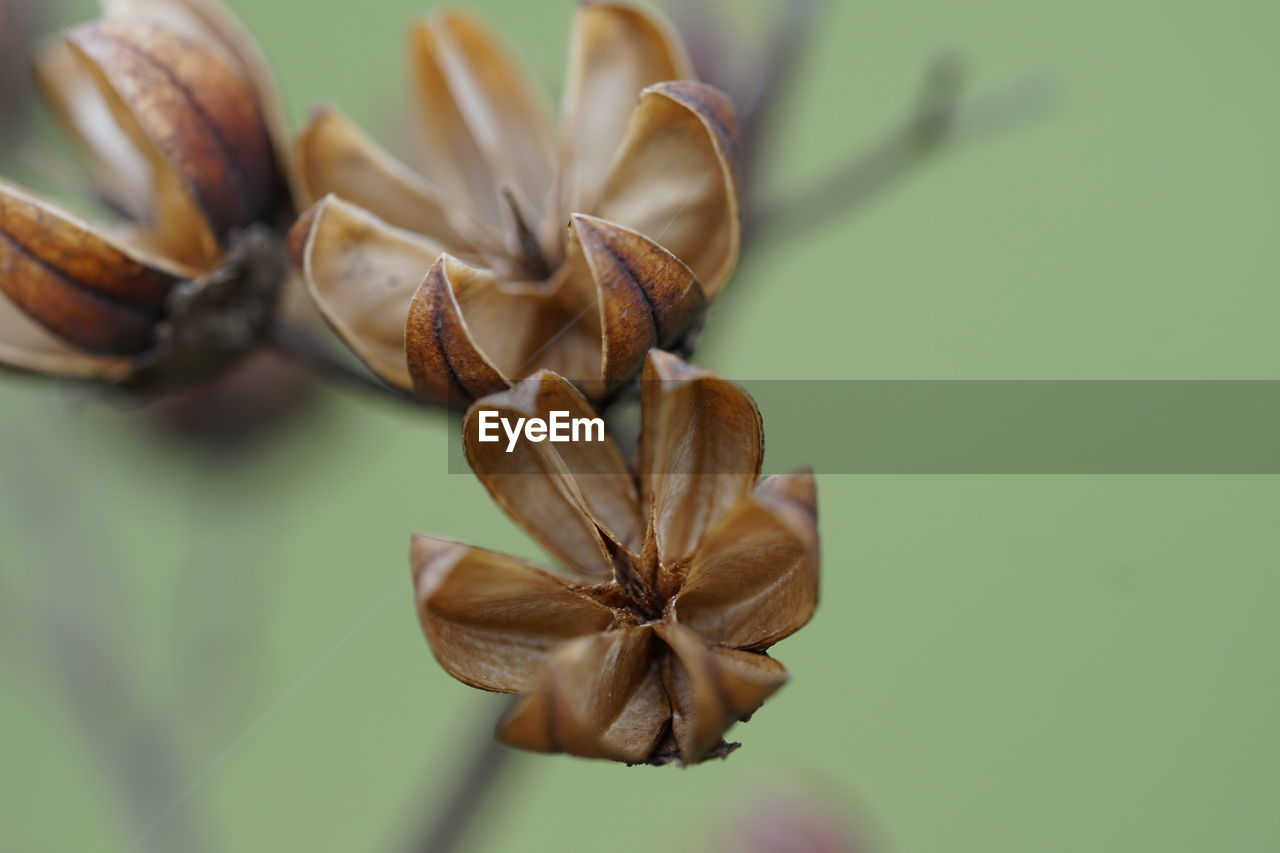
(599, 698)
(209, 19)
(193, 111)
(674, 179)
(336, 157)
(617, 50)
(85, 254)
(701, 447)
(120, 173)
(24, 345)
(472, 333)
(559, 493)
(754, 579)
(492, 619)
(445, 361)
(711, 688)
(646, 297)
(484, 127)
(363, 274)
(75, 281)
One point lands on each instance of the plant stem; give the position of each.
(941, 120)
(82, 609)
(479, 780)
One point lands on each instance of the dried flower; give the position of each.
(679, 580)
(647, 189)
(171, 104)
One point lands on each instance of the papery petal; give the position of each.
(472, 333)
(78, 250)
(484, 127)
(194, 113)
(674, 179)
(617, 50)
(712, 688)
(600, 697)
(336, 157)
(754, 578)
(645, 296)
(491, 619)
(119, 171)
(210, 19)
(75, 281)
(363, 274)
(25, 345)
(701, 447)
(558, 492)
(445, 362)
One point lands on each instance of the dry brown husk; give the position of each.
(171, 105)
(678, 577)
(514, 247)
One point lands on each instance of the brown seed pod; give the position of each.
(642, 174)
(680, 576)
(171, 106)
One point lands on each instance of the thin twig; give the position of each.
(486, 765)
(137, 748)
(941, 121)
(791, 32)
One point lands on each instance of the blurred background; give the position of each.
(213, 647)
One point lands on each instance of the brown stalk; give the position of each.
(137, 752)
(485, 764)
(942, 120)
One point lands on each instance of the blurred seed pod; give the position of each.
(178, 124)
(791, 819)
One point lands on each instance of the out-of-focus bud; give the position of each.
(790, 819)
(168, 102)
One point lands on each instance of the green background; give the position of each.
(999, 664)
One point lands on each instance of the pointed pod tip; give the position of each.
(298, 239)
(430, 559)
(663, 366)
(321, 113)
(798, 488)
(710, 104)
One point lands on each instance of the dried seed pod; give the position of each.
(642, 173)
(654, 642)
(173, 110)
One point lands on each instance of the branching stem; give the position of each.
(941, 120)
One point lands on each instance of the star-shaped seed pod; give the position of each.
(175, 113)
(679, 578)
(518, 248)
